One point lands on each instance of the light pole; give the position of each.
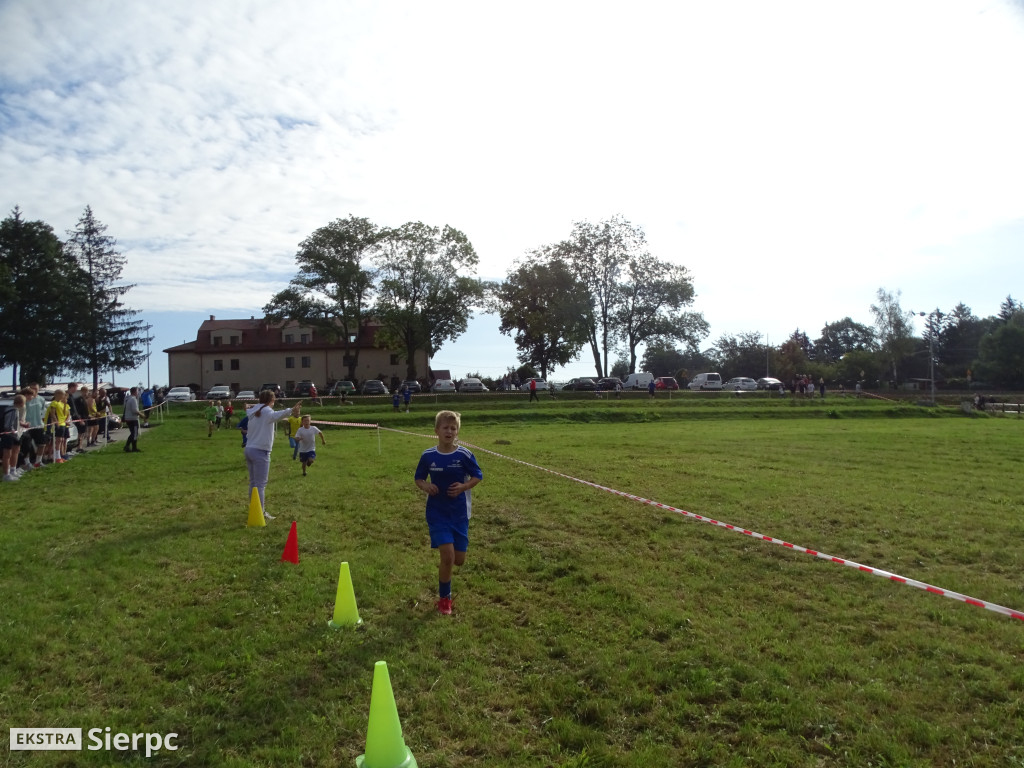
(931, 356)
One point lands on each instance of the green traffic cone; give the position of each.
(385, 747)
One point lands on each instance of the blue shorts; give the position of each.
(449, 532)
(307, 455)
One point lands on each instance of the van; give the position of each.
(706, 381)
(638, 381)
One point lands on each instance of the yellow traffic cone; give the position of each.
(345, 612)
(385, 747)
(256, 519)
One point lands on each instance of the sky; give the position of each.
(794, 156)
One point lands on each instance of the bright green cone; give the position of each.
(385, 747)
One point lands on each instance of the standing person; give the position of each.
(94, 418)
(821, 386)
(650, 388)
(210, 414)
(103, 409)
(618, 389)
(447, 473)
(306, 436)
(533, 391)
(313, 396)
(406, 396)
(34, 410)
(10, 438)
(229, 411)
(395, 400)
(131, 420)
(58, 419)
(260, 441)
(79, 415)
(146, 398)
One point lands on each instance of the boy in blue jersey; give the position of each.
(453, 472)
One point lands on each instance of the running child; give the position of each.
(453, 472)
(306, 437)
(210, 413)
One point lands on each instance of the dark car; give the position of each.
(304, 389)
(412, 384)
(582, 384)
(342, 388)
(275, 388)
(373, 387)
(609, 384)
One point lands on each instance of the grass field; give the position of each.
(589, 629)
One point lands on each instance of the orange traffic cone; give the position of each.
(291, 547)
(256, 519)
(385, 747)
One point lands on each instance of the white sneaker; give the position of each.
(10, 477)
(267, 516)
(17, 472)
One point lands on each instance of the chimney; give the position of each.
(212, 317)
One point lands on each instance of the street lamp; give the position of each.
(931, 356)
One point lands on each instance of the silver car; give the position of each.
(740, 384)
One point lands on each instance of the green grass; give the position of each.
(590, 629)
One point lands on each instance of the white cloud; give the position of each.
(795, 156)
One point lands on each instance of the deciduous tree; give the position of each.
(427, 288)
(334, 288)
(895, 332)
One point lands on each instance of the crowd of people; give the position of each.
(37, 432)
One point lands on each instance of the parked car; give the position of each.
(666, 382)
(246, 394)
(220, 392)
(304, 389)
(373, 387)
(342, 388)
(471, 384)
(179, 394)
(443, 385)
(582, 384)
(609, 384)
(541, 385)
(769, 383)
(412, 384)
(275, 388)
(706, 381)
(740, 384)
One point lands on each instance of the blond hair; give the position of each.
(443, 416)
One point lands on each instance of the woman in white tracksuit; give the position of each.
(262, 423)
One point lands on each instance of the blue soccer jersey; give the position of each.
(444, 469)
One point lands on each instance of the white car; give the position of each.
(246, 394)
(443, 385)
(180, 394)
(740, 384)
(470, 384)
(220, 392)
(541, 385)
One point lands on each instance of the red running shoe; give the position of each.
(444, 606)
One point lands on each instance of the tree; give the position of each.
(424, 296)
(547, 309)
(841, 337)
(105, 336)
(652, 298)
(739, 356)
(36, 280)
(333, 290)
(1009, 308)
(596, 254)
(959, 341)
(1001, 353)
(895, 333)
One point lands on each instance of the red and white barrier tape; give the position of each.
(754, 534)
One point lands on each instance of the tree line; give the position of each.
(62, 305)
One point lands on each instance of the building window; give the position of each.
(394, 359)
(289, 338)
(234, 341)
(218, 365)
(234, 364)
(216, 341)
(304, 338)
(289, 362)
(307, 362)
